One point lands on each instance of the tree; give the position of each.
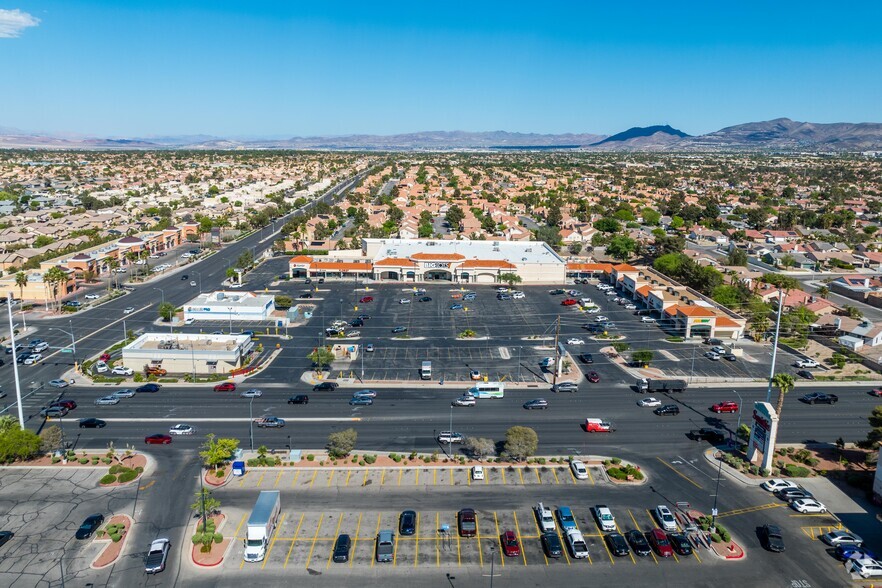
(341, 443)
(231, 273)
(608, 225)
(21, 280)
(479, 447)
(575, 248)
(787, 260)
(738, 257)
(245, 260)
(205, 503)
(215, 451)
(756, 218)
(621, 247)
(874, 437)
(650, 216)
(671, 264)
(510, 279)
(54, 277)
(281, 301)
(320, 357)
(520, 443)
(784, 383)
(677, 222)
(853, 311)
(50, 439)
(642, 357)
(823, 291)
(669, 244)
(17, 443)
(729, 296)
(454, 216)
(549, 235)
(167, 311)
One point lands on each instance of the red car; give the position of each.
(593, 377)
(366, 299)
(68, 404)
(569, 302)
(660, 543)
(727, 406)
(225, 387)
(510, 545)
(104, 357)
(876, 392)
(157, 440)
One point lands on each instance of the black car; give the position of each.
(805, 374)
(407, 522)
(667, 409)
(557, 292)
(356, 323)
(551, 544)
(680, 543)
(5, 536)
(791, 494)
(18, 349)
(617, 544)
(707, 434)
(586, 358)
(22, 356)
(305, 295)
(307, 281)
(772, 538)
(151, 387)
(299, 399)
(364, 317)
(89, 526)
(341, 548)
(425, 299)
(820, 398)
(185, 277)
(92, 424)
(321, 280)
(331, 386)
(638, 542)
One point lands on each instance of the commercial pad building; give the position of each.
(230, 306)
(420, 260)
(182, 353)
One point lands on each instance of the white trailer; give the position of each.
(261, 524)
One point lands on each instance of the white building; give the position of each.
(230, 306)
(182, 353)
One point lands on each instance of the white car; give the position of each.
(40, 347)
(478, 473)
(518, 295)
(186, 255)
(251, 393)
(600, 319)
(866, 568)
(647, 319)
(665, 518)
(59, 383)
(834, 538)
(610, 292)
(189, 321)
(631, 306)
(808, 505)
(107, 400)
(192, 282)
(124, 393)
(593, 310)
(605, 518)
(579, 469)
(182, 429)
(128, 310)
(404, 301)
(545, 518)
(92, 296)
(465, 401)
(236, 285)
(578, 547)
(649, 402)
(32, 359)
(712, 355)
(719, 349)
(575, 341)
(807, 363)
(121, 370)
(778, 484)
(100, 367)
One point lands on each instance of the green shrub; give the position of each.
(83, 460)
(106, 460)
(139, 469)
(310, 457)
(716, 538)
(616, 460)
(795, 471)
(812, 461)
(107, 479)
(116, 468)
(94, 460)
(128, 476)
(220, 473)
(370, 459)
(218, 537)
(115, 537)
(56, 459)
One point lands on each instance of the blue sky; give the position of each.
(262, 68)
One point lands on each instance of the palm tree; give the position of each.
(21, 280)
(823, 291)
(112, 263)
(784, 383)
(54, 277)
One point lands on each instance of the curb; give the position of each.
(129, 527)
(727, 469)
(223, 555)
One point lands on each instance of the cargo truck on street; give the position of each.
(261, 525)
(649, 385)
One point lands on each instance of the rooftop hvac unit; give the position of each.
(496, 249)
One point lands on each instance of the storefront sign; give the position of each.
(436, 265)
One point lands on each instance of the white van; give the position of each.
(426, 370)
(487, 390)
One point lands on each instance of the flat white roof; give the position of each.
(512, 251)
(232, 299)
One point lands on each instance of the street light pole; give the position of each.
(450, 438)
(251, 422)
(713, 527)
(775, 344)
(740, 406)
(14, 361)
(492, 561)
(230, 308)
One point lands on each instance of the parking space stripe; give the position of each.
(434, 476)
(458, 551)
(348, 474)
(336, 533)
(554, 472)
(260, 479)
(630, 553)
(312, 481)
(521, 474)
(242, 481)
(331, 477)
(239, 527)
(364, 480)
(395, 551)
(477, 538)
(520, 540)
(279, 477)
(382, 476)
(416, 553)
(272, 543)
(417, 481)
(296, 475)
(377, 532)
(603, 541)
(636, 526)
(502, 471)
(486, 477)
(501, 556)
(437, 543)
(293, 541)
(312, 547)
(695, 553)
(355, 540)
(679, 473)
(400, 473)
(538, 479)
(572, 475)
(451, 476)
(590, 477)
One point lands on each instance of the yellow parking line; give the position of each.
(437, 543)
(416, 553)
(273, 541)
(242, 481)
(312, 481)
(451, 476)
(678, 472)
(695, 553)
(293, 541)
(553, 471)
(260, 480)
(458, 553)
(382, 477)
(331, 477)
(364, 481)
(520, 540)
(636, 526)
(572, 475)
(400, 473)
(355, 539)
(395, 551)
(417, 481)
(279, 477)
(314, 539)
(296, 475)
(503, 476)
(538, 479)
(477, 538)
(521, 474)
(377, 532)
(590, 477)
(498, 541)
(434, 476)
(242, 522)
(603, 541)
(348, 474)
(486, 476)
(336, 534)
(558, 530)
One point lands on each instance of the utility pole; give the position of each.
(775, 344)
(556, 352)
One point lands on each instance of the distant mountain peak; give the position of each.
(666, 131)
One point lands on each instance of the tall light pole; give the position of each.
(230, 308)
(775, 344)
(740, 406)
(199, 275)
(14, 361)
(450, 438)
(162, 295)
(251, 422)
(492, 561)
(713, 528)
(73, 341)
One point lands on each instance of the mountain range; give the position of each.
(778, 134)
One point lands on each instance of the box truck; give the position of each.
(649, 385)
(261, 524)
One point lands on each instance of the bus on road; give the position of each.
(487, 390)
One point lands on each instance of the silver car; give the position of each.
(125, 393)
(107, 400)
